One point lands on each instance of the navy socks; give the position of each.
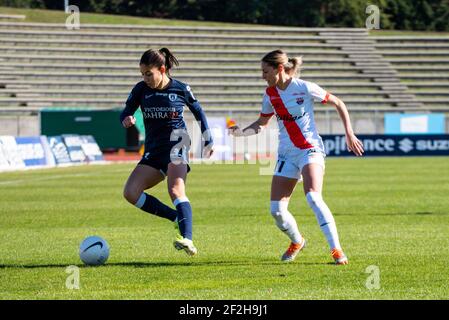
(152, 205)
(184, 216)
(183, 212)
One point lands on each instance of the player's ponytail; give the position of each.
(278, 57)
(170, 59)
(159, 58)
(293, 65)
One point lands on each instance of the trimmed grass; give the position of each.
(391, 213)
(381, 33)
(59, 16)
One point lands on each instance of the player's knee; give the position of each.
(319, 207)
(279, 211)
(131, 195)
(314, 198)
(276, 207)
(176, 192)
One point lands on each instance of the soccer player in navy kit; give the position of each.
(162, 100)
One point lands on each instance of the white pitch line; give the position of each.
(61, 176)
(44, 178)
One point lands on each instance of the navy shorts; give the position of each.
(160, 159)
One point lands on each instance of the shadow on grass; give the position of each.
(425, 213)
(161, 264)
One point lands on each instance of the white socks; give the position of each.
(141, 200)
(325, 218)
(180, 200)
(285, 221)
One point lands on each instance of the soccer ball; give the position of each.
(94, 251)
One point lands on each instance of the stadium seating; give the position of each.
(13, 17)
(422, 63)
(97, 65)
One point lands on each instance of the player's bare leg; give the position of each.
(142, 178)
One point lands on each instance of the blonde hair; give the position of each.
(279, 57)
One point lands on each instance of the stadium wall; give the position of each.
(26, 125)
(328, 122)
(19, 125)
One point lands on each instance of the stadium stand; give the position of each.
(14, 17)
(422, 63)
(97, 65)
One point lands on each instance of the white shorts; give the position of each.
(291, 166)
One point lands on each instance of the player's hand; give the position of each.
(354, 145)
(208, 151)
(129, 121)
(235, 131)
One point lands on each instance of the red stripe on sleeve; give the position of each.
(325, 98)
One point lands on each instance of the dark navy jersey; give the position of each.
(163, 112)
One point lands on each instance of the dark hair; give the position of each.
(277, 57)
(159, 58)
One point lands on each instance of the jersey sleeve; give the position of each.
(317, 93)
(195, 107)
(267, 108)
(132, 103)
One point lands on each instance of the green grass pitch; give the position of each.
(391, 213)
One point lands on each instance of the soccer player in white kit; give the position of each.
(301, 151)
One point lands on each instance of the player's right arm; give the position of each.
(257, 126)
(254, 128)
(129, 121)
(132, 103)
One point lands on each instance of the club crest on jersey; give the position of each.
(172, 96)
(190, 91)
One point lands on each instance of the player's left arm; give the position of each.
(354, 144)
(200, 117)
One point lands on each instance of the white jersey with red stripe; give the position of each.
(293, 108)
